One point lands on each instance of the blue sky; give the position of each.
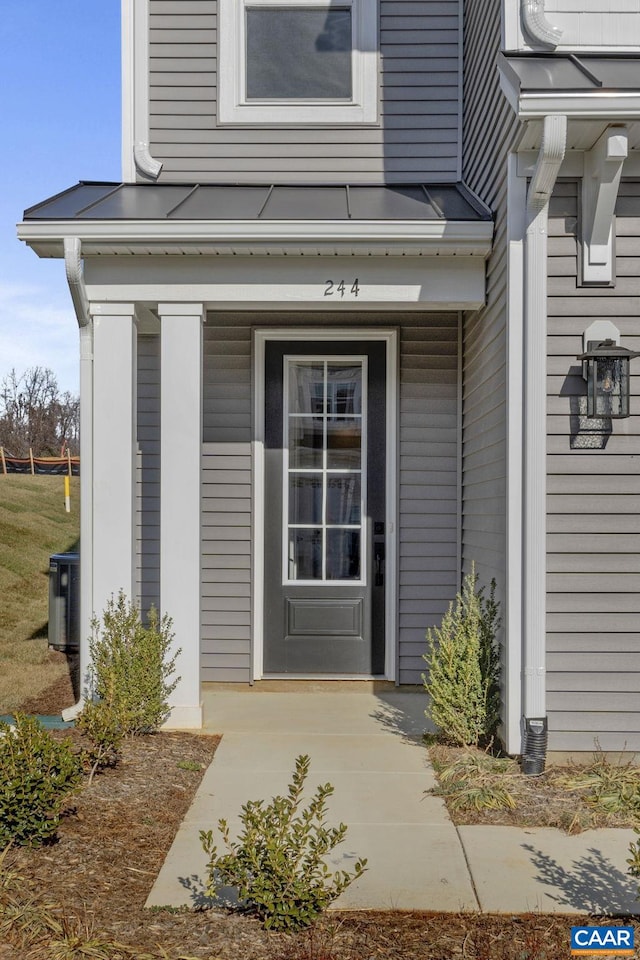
(60, 114)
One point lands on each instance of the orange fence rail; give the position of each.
(53, 466)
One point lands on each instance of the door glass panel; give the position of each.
(344, 389)
(343, 554)
(305, 554)
(306, 442)
(344, 437)
(305, 498)
(324, 428)
(306, 388)
(343, 499)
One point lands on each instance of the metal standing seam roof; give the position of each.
(92, 201)
(571, 73)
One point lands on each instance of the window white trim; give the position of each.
(233, 106)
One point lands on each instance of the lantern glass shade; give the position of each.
(606, 370)
(608, 387)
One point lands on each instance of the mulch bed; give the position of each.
(116, 833)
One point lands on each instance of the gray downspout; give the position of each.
(75, 278)
(546, 171)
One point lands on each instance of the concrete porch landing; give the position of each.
(368, 745)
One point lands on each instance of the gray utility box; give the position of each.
(64, 602)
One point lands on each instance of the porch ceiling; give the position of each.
(121, 218)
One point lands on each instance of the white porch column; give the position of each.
(180, 464)
(114, 453)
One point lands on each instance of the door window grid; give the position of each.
(326, 547)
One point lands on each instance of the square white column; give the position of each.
(180, 466)
(114, 452)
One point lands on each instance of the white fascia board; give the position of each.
(580, 106)
(473, 237)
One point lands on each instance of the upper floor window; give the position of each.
(297, 61)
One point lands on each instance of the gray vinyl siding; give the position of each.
(593, 501)
(488, 133)
(226, 502)
(148, 479)
(416, 137)
(428, 489)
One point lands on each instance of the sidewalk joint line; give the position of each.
(466, 860)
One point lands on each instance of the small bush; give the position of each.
(277, 862)
(101, 723)
(131, 669)
(463, 681)
(37, 774)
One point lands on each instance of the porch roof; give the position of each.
(203, 219)
(583, 86)
(179, 202)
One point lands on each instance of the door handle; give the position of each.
(378, 555)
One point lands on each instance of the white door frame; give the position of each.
(390, 338)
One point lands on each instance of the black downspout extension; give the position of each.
(535, 746)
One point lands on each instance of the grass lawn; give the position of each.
(33, 525)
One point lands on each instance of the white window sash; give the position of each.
(233, 106)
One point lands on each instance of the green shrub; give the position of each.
(37, 774)
(101, 724)
(277, 862)
(130, 669)
(463, 680)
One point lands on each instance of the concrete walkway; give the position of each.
(369, 747)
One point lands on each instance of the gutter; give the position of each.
(537, 26)
(75, 279)
(136, 157)
(550, 157)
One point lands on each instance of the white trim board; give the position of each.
(406, 283)
(390, 338)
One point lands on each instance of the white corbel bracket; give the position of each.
(537, 26)
(75, 278)
(550, 157)
(602, 172)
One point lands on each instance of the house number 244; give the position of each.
(341, 289)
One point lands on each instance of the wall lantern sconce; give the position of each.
(605, 367)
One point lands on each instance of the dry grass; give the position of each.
(480, 788)
(33, 525)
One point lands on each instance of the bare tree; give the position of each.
(34, 414)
